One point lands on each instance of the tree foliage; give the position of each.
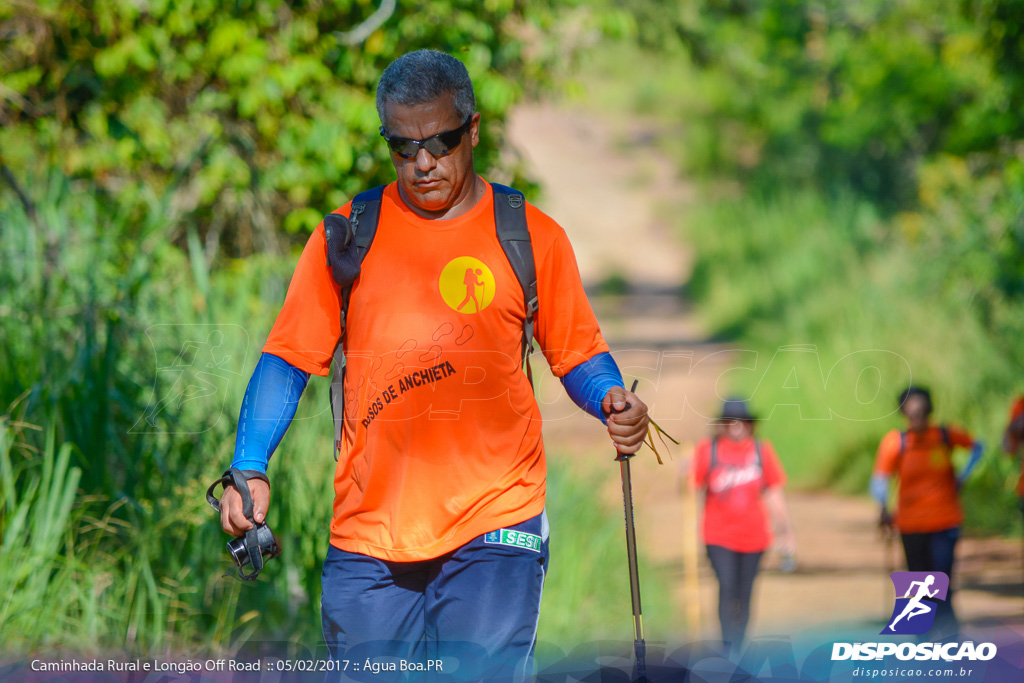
(854, 92)
(915, 105)
(243, 116)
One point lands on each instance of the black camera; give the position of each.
(258, 544)
(266, 545)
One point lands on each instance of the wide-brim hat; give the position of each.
(736, 409)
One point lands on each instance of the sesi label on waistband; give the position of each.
(513, 538)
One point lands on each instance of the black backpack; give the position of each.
(355, 236)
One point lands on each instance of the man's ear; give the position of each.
(474, 129)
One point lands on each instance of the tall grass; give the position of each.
(37, 519)
(133, 354)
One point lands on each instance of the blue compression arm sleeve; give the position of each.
(879, 489)
(972, 461)
(268, 408)
(589, 382)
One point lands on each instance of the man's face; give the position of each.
(916, 410)
(428, 183)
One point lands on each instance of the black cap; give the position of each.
(736, 409)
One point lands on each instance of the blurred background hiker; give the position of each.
(928, 512)
(1013, 439)
(742, 480)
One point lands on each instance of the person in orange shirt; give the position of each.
(742, 479)
(1013, 440)
(928, 513)
(439, 540)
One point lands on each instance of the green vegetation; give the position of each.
(110, 351)
(249, 117)
(863, 190)
(807, 284)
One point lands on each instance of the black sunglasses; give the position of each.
(438, 145)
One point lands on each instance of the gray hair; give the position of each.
(423, 76)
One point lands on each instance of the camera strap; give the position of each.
(240, 480)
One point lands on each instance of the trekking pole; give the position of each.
(890, 567)
(639, 646)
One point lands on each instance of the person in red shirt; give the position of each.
(742, 480)
(928, 513)
(439, 539)
(1013, 441)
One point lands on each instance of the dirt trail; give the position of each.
(618, 200)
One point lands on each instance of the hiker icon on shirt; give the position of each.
(467, 285)
(472, 281)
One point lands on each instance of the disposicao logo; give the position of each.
(917, 594)
(914, 613)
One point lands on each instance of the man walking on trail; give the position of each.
(928, 503)
(472, 282)
(439, 540)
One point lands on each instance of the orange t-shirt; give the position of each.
(734, 512)
(928, 499)
(1016, 410)
(442, 435)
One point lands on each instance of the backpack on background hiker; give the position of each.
(946, 441)
(713, 461)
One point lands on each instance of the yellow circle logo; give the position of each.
(467, 285)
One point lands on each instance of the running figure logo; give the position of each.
(914, 612)
(466, 285)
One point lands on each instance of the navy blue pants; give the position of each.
(934, 552)
(468, 615)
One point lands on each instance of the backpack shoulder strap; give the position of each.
(945, 437)
(363, 217)
(514, 237)
(899, 456)
(758, 462)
